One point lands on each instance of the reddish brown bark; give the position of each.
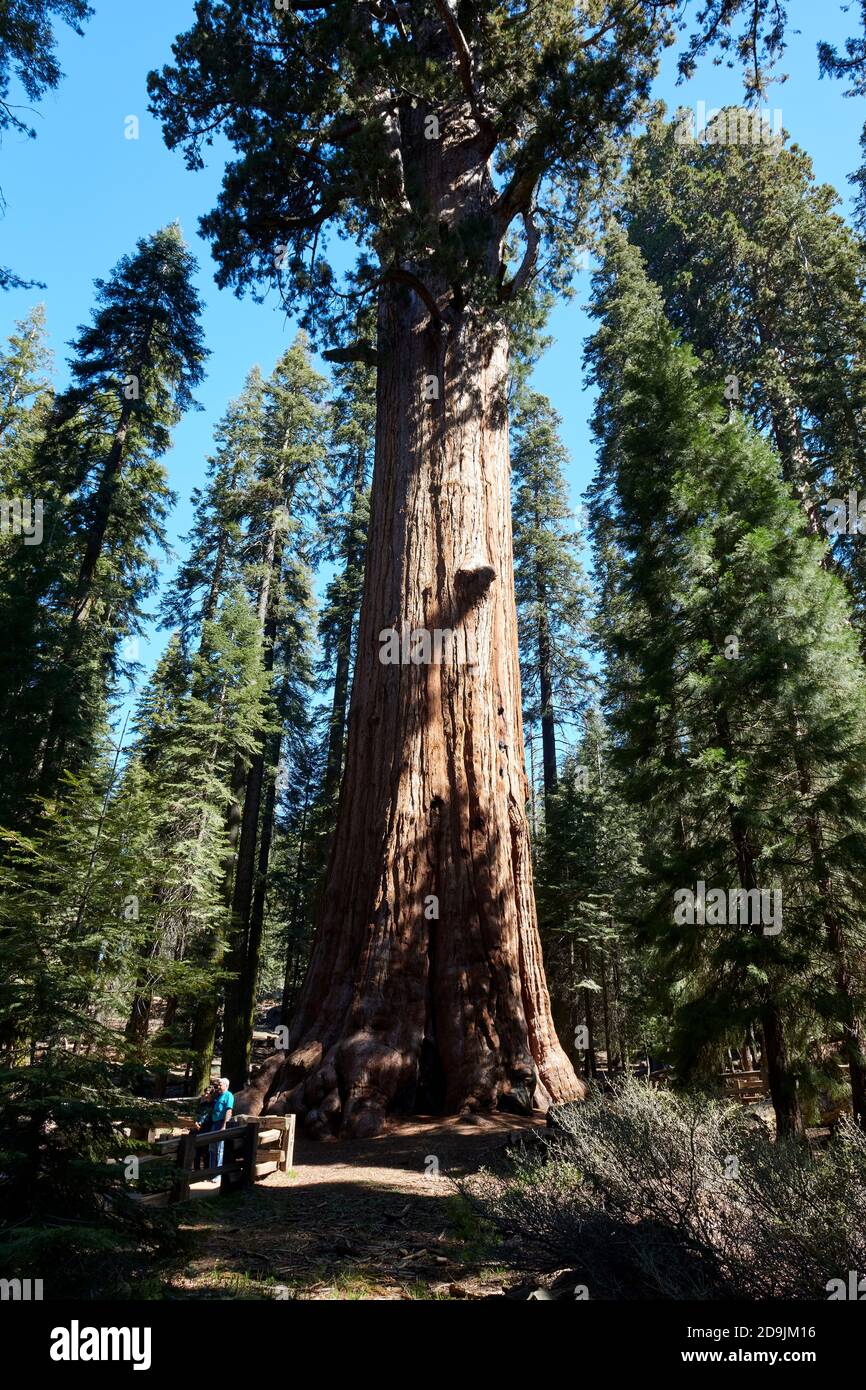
(432, 805)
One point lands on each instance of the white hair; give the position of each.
(224, 1081)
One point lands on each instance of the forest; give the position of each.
(496, 846)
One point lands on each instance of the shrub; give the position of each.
(66, 1213)
(654, 1194)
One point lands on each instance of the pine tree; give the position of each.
(214, 562)
(851, 68)
(214, 568)
(67, 928)
(76, 597)
(589, 892)
(194, 718)
(552, 594)
(25, 397)
(737, 694)
(766, 281)
(344, 526)
(279, 496)
(25, 402)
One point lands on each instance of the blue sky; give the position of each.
(80, 195)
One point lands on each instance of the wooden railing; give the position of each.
(240, 1140)
(257, 1147)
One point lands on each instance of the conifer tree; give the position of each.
(193, 720)
(279, 497)
(214, 568)
(25, 403)
(850, 66)
(590, 892)
(105, 499)
(344, 526)
(25, 397)
(552, 595)
(215, 558)
(766, 281)
(738, 698)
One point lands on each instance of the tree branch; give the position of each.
(466, 67)
(402, 276)
(521, 278)
(516, 196)
(353, 352)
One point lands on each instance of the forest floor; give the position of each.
(363, 1219)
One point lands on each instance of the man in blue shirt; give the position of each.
(223, 1106)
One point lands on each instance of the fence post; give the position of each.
(287, 1144)
(242, 1144)
(183, 1168)
(251, 1152)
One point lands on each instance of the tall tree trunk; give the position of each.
(240, 1000)
(340, 701)
(590, 1061)
(620, 1023)
(776, 1062)
(290, 983)
(853, 1033)
(339, 706)
(54, 747)
(783, 1088)
(605, 1010)
(545, 676)
(236, 1035)
(161, 1075)
(206, 1012)
(138, 1023)
(431, 814)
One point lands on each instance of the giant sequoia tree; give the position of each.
(458, 144)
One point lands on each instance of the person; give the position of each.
(222, 1112)
(203, 1122)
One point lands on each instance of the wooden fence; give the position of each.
(235, 1172)
(254, 1148)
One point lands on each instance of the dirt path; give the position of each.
(378, 1218)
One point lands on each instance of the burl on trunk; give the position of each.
(426, 987)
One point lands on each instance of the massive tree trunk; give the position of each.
(426, 971)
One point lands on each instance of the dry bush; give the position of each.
(653, 1194)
